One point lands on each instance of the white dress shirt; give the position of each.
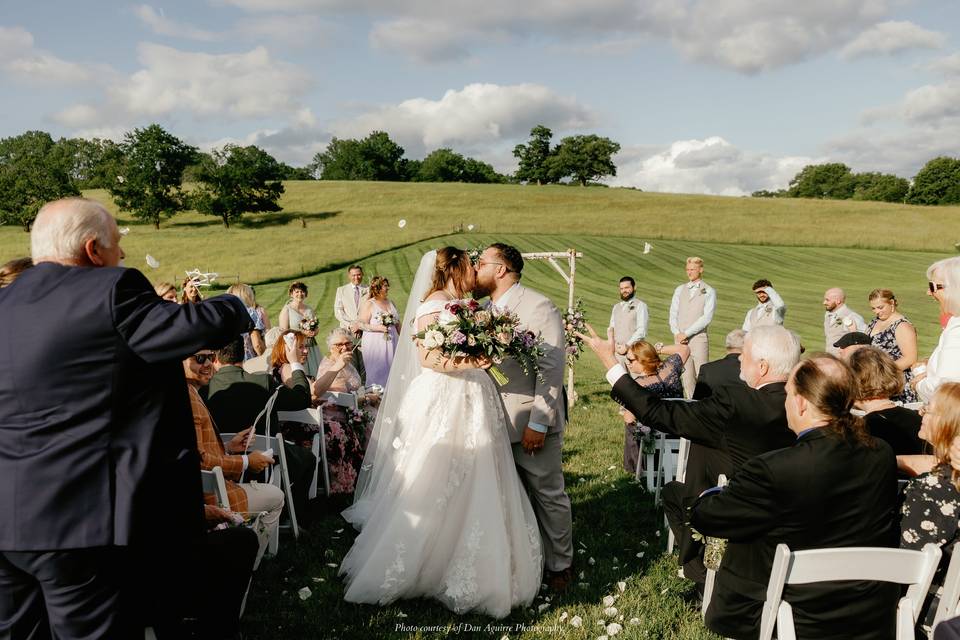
(643, 319)
(709, 306)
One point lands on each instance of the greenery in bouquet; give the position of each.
(574, 323)
(713, 551)
(644, 437)
(388, 320)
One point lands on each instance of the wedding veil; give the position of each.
(378, 467)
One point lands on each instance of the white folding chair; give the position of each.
(319, 446)
(711, 574)
(341, 399)
(681, 476)
(949, 606)
(902, 566)
(214, 483)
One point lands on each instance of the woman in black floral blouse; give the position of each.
(931, 505)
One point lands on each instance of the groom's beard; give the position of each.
(481, 289)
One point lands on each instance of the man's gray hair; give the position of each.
(734, 341)
(62, 227)
(778, 346)
(339, 331)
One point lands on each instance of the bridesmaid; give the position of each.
(893, 334)
(379, 340)
(292, 314)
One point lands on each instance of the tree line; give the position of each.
(147, 171)
(938, 182)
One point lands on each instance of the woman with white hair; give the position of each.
(944, 363)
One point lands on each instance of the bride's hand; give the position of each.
(483, 362)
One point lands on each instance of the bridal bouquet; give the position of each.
(464, 329)
(388, 320)
(574, 323)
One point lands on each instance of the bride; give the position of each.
(439, 503)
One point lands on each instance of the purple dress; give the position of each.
(378, 348)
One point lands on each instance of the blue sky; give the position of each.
(706, 96)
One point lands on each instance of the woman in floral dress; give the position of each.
(893, 334)
(931, 504)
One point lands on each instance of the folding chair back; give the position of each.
(711, 574)
(214, 483)
(319, 447)
(949, 606)
(902, 566)
(341, 399)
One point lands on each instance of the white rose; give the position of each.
(483, 318)
(446, 317)
(471, 341)
(432, 340)
(847, 321)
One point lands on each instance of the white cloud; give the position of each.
(422, 40)
(711, 166)
(299, 30)
(948, 65)
(21, 59)
(892, 37)
(477, 116)
(161, 25)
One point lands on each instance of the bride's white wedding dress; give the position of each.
(450, 519)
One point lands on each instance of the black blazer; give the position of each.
(97, 445)
(821, 492)
(235, 397)
(716, 374)
(737, 420)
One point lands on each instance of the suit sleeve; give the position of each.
(548, 392)
(701, 422)
(675, 311)
(157, 330)
(339, 312)
(292, 398)
(746, 509)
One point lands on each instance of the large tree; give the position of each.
(92, 164)
(883, 187)
(33, 171)
(534, 156)
(833, 180)
(237, 180)
(376, 157)
(938, 182)
(150, 179)
(583, 159)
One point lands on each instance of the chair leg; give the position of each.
(323, 458)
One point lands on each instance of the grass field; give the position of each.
(804, 247)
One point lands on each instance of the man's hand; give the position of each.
(680, 338)
(238, 443)
(354, 327)
(605, 349)
(258, 461)
(215, 515)
(483, 362)
(532, 440)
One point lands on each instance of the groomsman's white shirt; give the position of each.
(692, 289)
(345, 305)
(643, 318)
(774, 307)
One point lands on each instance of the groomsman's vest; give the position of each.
(834, 331)
(763, 316)
(690, 309)
(624, 321)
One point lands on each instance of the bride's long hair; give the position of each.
(452, 264)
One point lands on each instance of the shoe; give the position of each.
(559, 581)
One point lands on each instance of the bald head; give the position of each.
(833, 298)
(75, 232)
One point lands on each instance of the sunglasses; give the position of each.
(202, 358)
(934, 286)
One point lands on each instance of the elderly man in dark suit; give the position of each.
(721, 372)
(733, 425)
(97, 448)
(835, 487)
(235, 398)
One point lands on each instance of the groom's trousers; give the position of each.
(542, 475)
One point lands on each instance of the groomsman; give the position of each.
(839, 319)
(691, 311)
(770, 307)
(628, 319)
(346, 304)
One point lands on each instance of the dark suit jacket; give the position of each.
(737, 421)
(716, 374)
(97, 444)
(235, 397)
(822, 492)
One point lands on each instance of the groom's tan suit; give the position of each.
(530, 400)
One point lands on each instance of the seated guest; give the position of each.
(931, 502)
(12, 269)
(835, 487)
(944, 362)
(166, 291)
(851, 342)
(726, 370)
(232, 457)
(878, 380)
(659, 376)
(235, 399)
(261, 364)
(730, 427)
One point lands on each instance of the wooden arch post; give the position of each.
(569, 274)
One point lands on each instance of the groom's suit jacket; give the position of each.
(345, 307)
(527, 397)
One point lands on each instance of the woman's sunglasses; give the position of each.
(935, 286)
(203, 358)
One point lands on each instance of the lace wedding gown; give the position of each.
(453, 521)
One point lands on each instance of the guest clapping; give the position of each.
(879, 380)
(944, 363)
(893, 334)
(931, 502)
(379, 321)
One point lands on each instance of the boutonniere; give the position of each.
(632, 306)
(703, 290)
(836, 322)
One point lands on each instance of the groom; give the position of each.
(535, 409)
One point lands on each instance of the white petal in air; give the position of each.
(397, 443)
(646, 248)
(469, 227)
(124, 230)
(402, 224)
(152, 262)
